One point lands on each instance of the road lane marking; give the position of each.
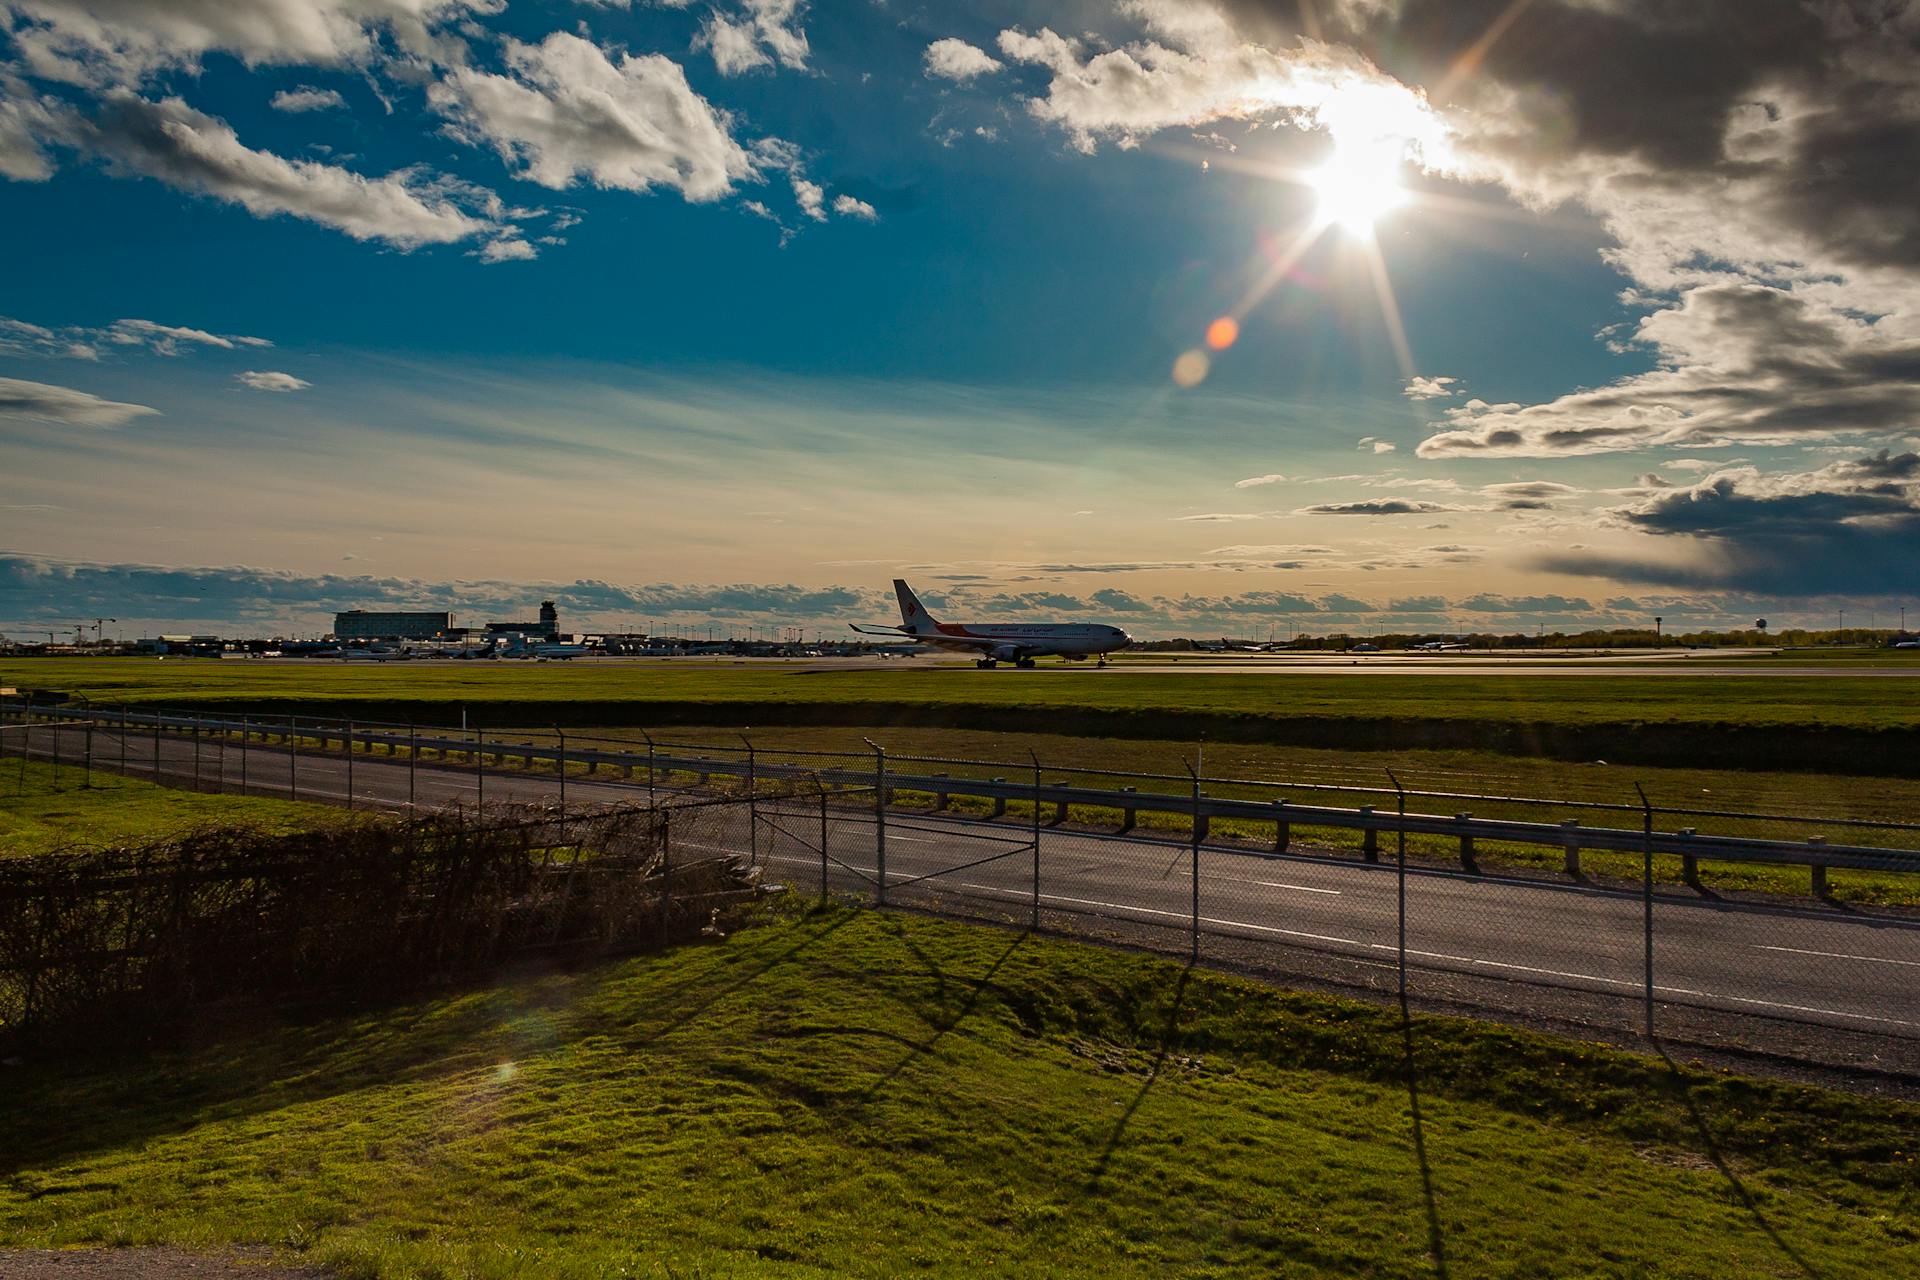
(1841, 955)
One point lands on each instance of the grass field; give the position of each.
(41, 811)
(1783, 702)
(842, 1093)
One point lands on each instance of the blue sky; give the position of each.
(733, 311)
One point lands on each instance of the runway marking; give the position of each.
(1841, 955)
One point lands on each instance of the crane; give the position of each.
(96, 627)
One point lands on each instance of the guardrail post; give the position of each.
(293, 755)
(1467, 861)
(413, 757)
(86, 783)
(1282, 828)
(1060, 805)
(1128, 814)
(1689, 863)
(560, 767)
(348, 742)
(245, 734)
(1819, 868)
(940, 796)
(1571, 842)
(480, 767)
(196, 755)
(999, 801)
(1369, 835)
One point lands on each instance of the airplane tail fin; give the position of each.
(913, 614)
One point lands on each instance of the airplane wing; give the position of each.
(895, 632)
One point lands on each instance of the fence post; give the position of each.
(1819, 868)
(753, 804)
(348, 742)
(1193, 857)
(560, 767)
(1400, 879)
(649, 738)
(246, 732)
(156, 746)
(823, 840)
(479, 767)
(413, 756)
(879, 819)
(56, 755)
(293, 756)
(196, 753)
(87, 783)
(123, 740)
(1034, 921)
(1646, 895)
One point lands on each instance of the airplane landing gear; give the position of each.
(986, 664)
(1024, 662)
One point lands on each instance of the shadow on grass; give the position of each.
(1681, 1089)
(1167, 1033)
(1436, 1243)
(921, 1049)
(262, 1060)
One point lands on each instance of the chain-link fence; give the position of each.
(1793, 934)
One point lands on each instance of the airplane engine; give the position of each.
(1006, 653)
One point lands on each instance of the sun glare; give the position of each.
(1357, 187)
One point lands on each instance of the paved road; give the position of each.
(1839, 969)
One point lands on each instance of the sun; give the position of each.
(1357, 186)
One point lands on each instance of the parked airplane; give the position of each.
(522, 648)
(1018, 643)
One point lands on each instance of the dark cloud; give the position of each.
(45, 402)
(1120, 601)
(1488, 603)
(1849, 528)
(1378, 507)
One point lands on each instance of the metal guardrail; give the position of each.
(1571, 836)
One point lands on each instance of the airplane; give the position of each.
(1018, 643)
(520, 648)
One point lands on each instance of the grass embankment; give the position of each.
(1836, 725)
(859, 1094)
(42, 809)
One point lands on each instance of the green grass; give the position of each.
(41, 812)
(843, 1093)
(441, 688)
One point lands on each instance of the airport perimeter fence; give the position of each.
(1784, 934)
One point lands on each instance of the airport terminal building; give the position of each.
(359, 624)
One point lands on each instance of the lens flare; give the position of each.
(1190, 368)
(1223, 333)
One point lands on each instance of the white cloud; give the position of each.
(763, 32)
(125, 42)
(1194, 69)
(45, 402)
(511, 249)
(1419, 388)
(1377, 445)
(952, 59)
(567, 111)
(849, 207)
(184, 148)
(166, 339)
(1254, 482)
(307, 98)
(1222, 517)
(810, 196)
(268, 380)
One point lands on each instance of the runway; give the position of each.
(1782, 972)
